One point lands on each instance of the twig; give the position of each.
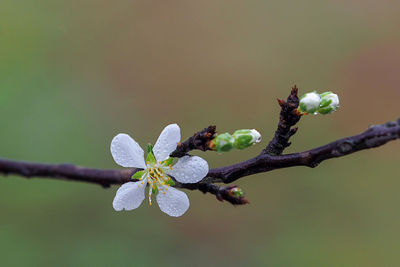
(222, 193)
(199, 140)
(289, 116)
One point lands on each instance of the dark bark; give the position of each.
(289, 116)
(71, 172)
(221, 193)
(200, 141)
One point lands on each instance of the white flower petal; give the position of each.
(189, 169)
(127, 152)
(129, 196)
(174, 202)
(167, 142)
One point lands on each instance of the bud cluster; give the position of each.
(315, 103)
(240, 139)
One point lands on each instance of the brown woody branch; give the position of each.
(269, 159)
(70, 172)
(375, 136)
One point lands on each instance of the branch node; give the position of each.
(200, 141)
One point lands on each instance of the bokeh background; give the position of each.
(75, 73)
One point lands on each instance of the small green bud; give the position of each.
(236, 191)
(309, 103)
(245, 138)
(223, 142)
(329, 103)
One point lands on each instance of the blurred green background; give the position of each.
(75, 73)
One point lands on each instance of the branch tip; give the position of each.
(289, 116)
(294, 90)
(281, 102)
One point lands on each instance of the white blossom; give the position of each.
(156, 170)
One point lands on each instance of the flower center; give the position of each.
(156, 173)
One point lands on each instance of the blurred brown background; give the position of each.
(75, 73)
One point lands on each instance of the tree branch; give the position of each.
(269, 159)
(71, 172)
(375, 136)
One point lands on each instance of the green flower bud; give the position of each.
(329, 103)
(246, 138)
(223, 142)
(237, 192)
(309, 103)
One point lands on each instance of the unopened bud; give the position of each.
(329, 103)
(223, 142)
(309, 103)
(246, 138)
(236, 191)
